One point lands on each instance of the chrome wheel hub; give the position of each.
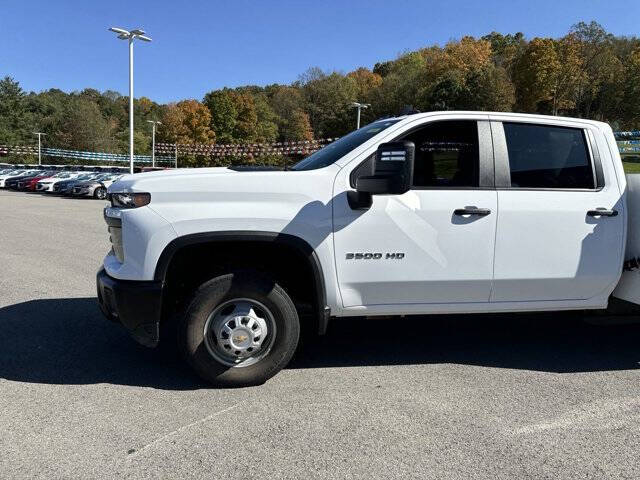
(239, 332)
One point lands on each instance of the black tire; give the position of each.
(246, 284)
(100, 193)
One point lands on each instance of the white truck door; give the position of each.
(560, 214)
(429, 245)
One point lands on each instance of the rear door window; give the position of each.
(543, 156)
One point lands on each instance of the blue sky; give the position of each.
(203, 45)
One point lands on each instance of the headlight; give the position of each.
(130, 200)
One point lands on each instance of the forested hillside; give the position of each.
(586, 73)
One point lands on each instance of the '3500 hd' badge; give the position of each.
(375, 256)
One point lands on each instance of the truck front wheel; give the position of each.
(239, 330)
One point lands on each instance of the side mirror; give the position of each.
(392, 174)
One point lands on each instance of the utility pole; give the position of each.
(176, 154)
(130, 35)
(153, 140)
(359, 106)
(39, 146)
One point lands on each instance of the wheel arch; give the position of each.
(298, 244)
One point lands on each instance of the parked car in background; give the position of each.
(29, 183)
(96, 188)
(12, 182)
(46, 184)
(7, 174)
(65, 187)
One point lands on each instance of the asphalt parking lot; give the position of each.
(464, 397)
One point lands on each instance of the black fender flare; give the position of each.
(292, 241)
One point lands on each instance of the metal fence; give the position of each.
(167, 153)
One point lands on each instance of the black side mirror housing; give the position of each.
(392, 174)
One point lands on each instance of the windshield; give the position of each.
(338, 149)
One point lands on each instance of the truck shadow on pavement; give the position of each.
(67, 341)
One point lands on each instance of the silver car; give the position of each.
(96, 188)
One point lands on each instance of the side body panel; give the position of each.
(198, 201)
(412, 249)
(311, 205)
(548, 248)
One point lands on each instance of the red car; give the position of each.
(30, 182)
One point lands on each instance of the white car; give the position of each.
(432, 213)
(46, 184)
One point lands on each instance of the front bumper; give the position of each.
(81, 191)
(135, 305)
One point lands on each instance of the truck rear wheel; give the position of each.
(239, 330)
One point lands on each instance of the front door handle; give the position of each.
(472, 211)
(602, 212)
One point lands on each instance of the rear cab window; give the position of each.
(548, 157)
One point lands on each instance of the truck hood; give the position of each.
(166, 175)
(211, 194)
(190, 179)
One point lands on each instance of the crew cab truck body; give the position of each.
(448, 212)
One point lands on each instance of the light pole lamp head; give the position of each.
(129, 35)
(121, 31)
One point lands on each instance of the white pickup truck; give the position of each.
(447, 212)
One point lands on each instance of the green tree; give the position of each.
(631, 92)
(14, 118)
(245, 128)
(327, 102)
(82, 127)
(266, 119)
(224, 115)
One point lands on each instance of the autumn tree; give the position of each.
(534, 74)
(187, 122)
(288, 105)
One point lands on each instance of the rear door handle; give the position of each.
(472, 211)
(602, 212)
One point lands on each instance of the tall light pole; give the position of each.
(130, 35)
(39, 146)
(153, 140)
(359, 106)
